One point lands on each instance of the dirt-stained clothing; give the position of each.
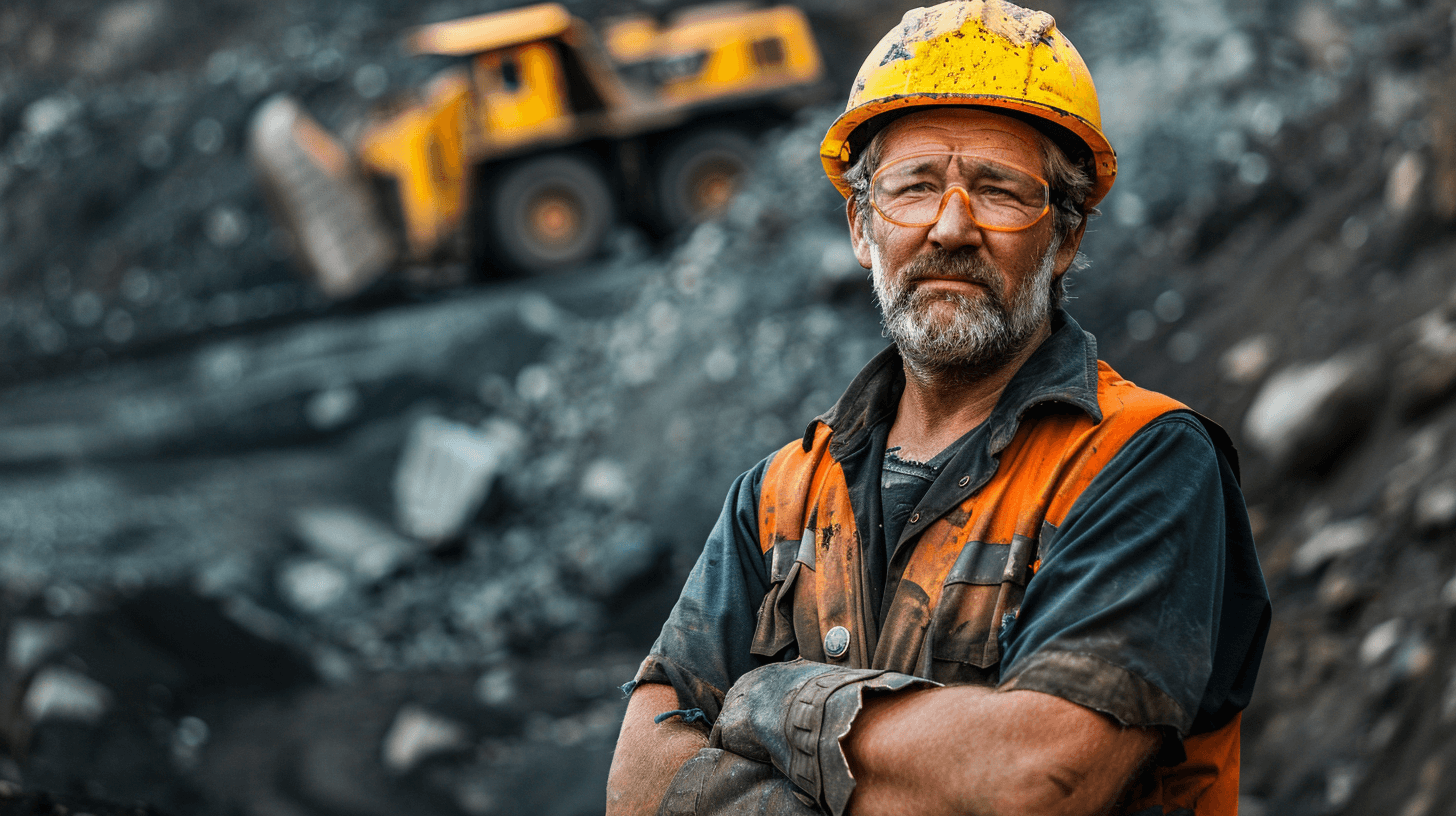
(1089, 540)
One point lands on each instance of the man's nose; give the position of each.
(955, 227)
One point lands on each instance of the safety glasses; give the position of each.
(914, 191)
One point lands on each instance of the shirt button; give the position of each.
(914, 518)
(965, 480)
(836, 643)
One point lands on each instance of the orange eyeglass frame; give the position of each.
(964, 193)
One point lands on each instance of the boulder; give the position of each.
(1333, 541)
(1307, 414)
(446, 471)
(416, 735)
(351, 539)
(1425, 374)
(65, 694)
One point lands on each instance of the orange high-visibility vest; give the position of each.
(966, 574)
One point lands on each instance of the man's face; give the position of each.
(955, 295)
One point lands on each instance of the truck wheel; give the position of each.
(699, 175)
(550, 212)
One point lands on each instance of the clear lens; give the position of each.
(913, 191)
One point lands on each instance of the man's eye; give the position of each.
(912, 188)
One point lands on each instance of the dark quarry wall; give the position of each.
(209, 601)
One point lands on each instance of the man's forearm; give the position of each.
(648, 755)
(970, 750)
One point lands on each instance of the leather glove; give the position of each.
(722, 783)
(794, 714)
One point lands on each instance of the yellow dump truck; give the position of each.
(541, 136)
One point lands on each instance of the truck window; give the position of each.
(768, 52)
(510, 74)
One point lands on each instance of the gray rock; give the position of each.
(351, 539)
(312, 585)
(446, 471)
(1333, 541)
(416, 735)
(32, 641)
(1426, 371)
(1306, 414)
(1435, 507)
(1247, 360)
(65, 694)
(607, 482)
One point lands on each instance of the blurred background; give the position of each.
(264, 551)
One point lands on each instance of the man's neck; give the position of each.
(939, 407)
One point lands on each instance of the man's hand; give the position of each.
(648, 754)
(793, 714)
(973, 750)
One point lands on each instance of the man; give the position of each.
(995, 578)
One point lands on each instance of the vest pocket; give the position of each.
(983, 587)
(775, 631)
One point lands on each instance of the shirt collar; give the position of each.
(1062, 369)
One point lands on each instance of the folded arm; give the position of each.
(973, 750)
(649, 754)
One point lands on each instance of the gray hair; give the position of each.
(1069, 182)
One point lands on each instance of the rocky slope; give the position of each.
(217, 598)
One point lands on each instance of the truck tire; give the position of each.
(550, 212)
(698, 176)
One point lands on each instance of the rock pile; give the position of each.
(230, 586)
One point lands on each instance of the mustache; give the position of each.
(964, 263)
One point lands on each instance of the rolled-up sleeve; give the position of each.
(704, 646)
(1149, 604)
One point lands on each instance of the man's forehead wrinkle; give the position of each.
(991, 142)
(965, 166)
(977, 166)
(923, 163)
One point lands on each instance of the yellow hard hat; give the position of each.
(987, 53)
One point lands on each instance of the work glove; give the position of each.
(793, 716)
(721, 783)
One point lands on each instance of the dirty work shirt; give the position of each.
(1156, 551)
(903, 484)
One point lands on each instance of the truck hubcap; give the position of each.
(554, 218)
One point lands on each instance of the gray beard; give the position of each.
(984, 331)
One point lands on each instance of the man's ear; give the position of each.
(857, 237)
(1067, 252)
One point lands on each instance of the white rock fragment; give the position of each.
(32, 641)
(1247, 360)
(496, 687)
(65, 694)
(535, 383)
(1435, 507)
(721, 364)
(366, 547)
(1304, 411)
(446, 471)
(1333, 541)
(312, 585)
(332, 407)
(1404, 182)
(1379, 642)
(541, 315)
(416, 735)
(607, 481)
